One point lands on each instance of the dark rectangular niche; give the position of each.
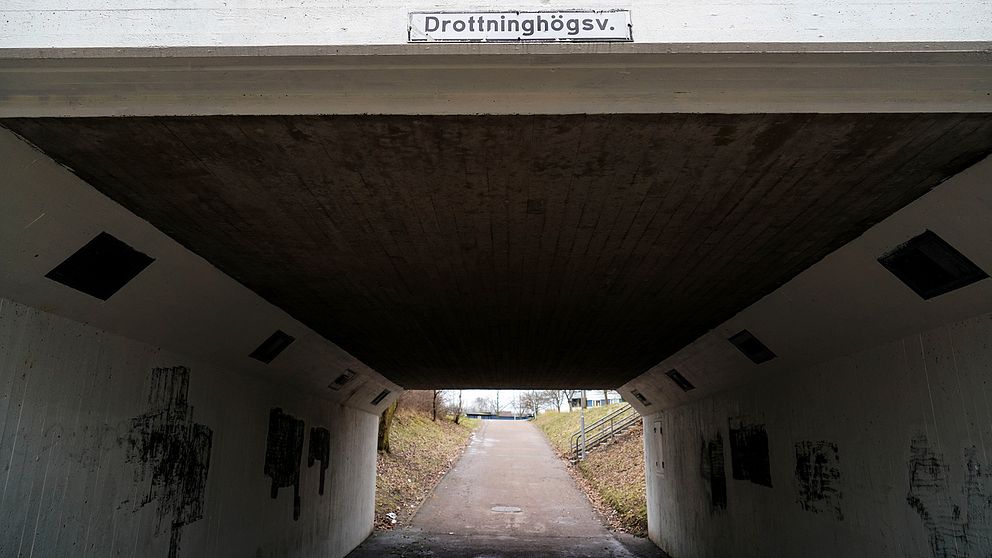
(382, 395)
(271, 347)
(101, 268)
(637, 395)
(343, 379)
(752, 348)
(680, 380)
(930, 266)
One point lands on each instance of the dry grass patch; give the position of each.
(422, 452)
(612, 476)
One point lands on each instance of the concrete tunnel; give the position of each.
(220, 264)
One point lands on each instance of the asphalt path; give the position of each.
(508, 496)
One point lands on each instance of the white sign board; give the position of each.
(609, 25)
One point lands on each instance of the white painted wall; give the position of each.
(180, 302)
(67, 395)
(155, 23)
(863, 363)
(74, 370)
(871, 405)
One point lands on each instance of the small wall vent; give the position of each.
(930, 266)
(382, 395)
(680, 380)
(753, 349)
(101, 267)
(343, 379)
(271, 347)
(637, 395)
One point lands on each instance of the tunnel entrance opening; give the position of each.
(515, 490)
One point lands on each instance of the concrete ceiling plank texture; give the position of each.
(514, 251)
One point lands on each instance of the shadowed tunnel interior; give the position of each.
(499, 251)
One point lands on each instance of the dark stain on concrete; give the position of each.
(173, 453)
(283, 454)
(320, 450)
(956, 529)
(818, 473)
(714, 473)
(749, 451)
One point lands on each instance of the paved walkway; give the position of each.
(508, 496)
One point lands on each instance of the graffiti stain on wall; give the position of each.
(818, 474)
(172, 453)
(714, 473)
(956, 529)
(283, 454)
(320, 450)
(749, 451)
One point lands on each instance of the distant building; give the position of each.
(594, 398)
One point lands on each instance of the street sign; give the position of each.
(549, 26)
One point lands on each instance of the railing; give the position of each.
(604, 429)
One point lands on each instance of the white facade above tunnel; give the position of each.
(161, 23)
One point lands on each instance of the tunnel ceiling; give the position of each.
(513, 251)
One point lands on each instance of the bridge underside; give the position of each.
(505, 251)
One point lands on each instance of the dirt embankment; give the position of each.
(422, 452)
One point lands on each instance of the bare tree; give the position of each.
(385, 425)
(568, 394)
(458, 411)
(436, 395)
(483, 405)
(554, 398)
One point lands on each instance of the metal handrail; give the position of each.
(604, 428)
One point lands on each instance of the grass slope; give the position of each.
(612, 475)
(422, 452)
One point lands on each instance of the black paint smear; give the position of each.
(173, 453)
(749, 452)
(713, 471)
(951, 535)
(320, 450)
(283, 454)
(818, 473)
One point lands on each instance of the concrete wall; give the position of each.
(61, 23)
(868, 434)
(898, 438)
(94, 464)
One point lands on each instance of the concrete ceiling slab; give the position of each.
(498, 251)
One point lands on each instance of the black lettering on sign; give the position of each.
(749, 452)
(956, 529)
(283, 454)
(714, 473)
(818, 473)
(173, 453)
(320, 450)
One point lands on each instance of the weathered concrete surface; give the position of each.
(489, 251)
(508, 495)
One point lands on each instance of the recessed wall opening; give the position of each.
(272, 347)
(930, 266)
(752, 348)
(101, 267)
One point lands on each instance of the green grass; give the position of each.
(614, 472)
